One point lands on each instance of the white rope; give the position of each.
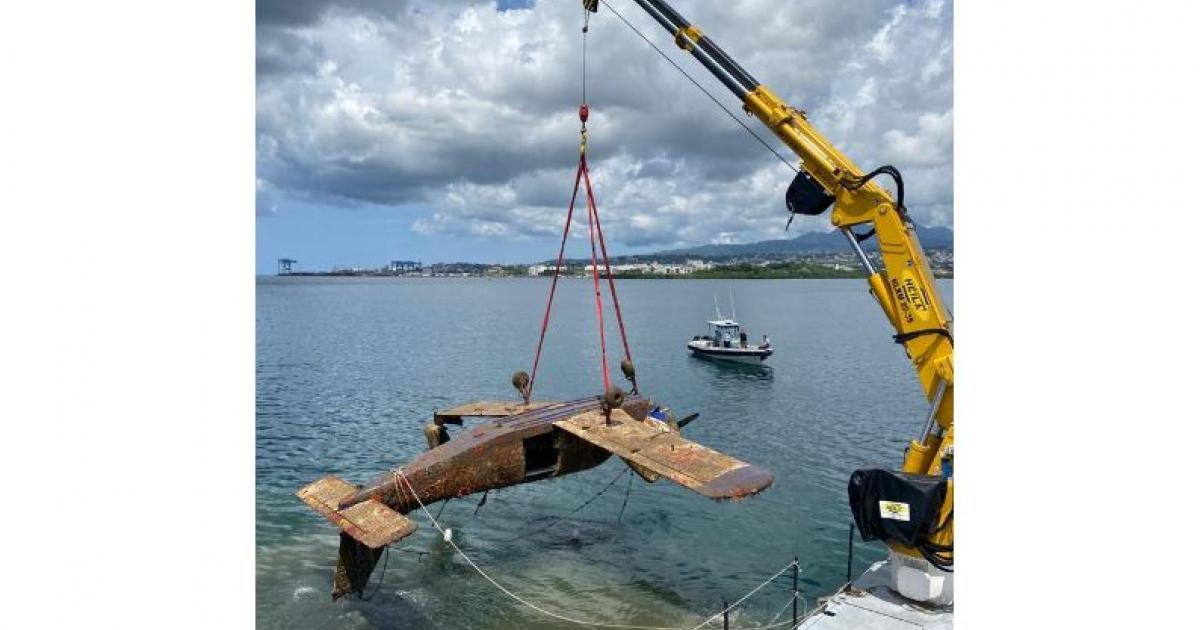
(785, 605)
(745, 597)
(794, 597)
(398, 475)
(807, 613)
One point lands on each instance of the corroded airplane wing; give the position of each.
(712, 474)
(488, 409)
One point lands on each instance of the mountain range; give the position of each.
(807, 243)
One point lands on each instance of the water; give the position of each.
(349, 369)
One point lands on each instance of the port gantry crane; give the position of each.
(911, 510)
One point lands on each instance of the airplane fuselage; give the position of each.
(495, 454)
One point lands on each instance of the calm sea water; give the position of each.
(349, 369)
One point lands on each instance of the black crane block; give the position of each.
(806, 196)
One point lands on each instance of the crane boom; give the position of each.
(904, 288)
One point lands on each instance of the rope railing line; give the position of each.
(791, 599)
(745, 597)
(808, 613)
(399, 476)
(794, 597)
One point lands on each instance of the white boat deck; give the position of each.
(868, 604)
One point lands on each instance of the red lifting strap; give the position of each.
(587, 180)
(595, 233)
(596, 274)
(554, 282)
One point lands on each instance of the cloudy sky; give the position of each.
(447, 131)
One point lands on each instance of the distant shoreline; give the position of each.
(822, 266)
(714, 275)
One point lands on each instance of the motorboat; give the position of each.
(726, 341)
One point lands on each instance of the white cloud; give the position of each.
(882, 44)
(471, 112)
(930, 145)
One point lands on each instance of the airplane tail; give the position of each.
(356, 561)
(367, 527)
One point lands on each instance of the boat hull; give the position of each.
(752, 356)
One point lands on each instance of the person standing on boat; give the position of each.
(766, 343)
(742, 339)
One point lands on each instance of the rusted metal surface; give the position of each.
(488, 409)
(638, 407)
(515, 449)
(376, 524)
(325, 494)
(476, 460)
(550, 413)
(369, 522)
(666, 452)
(522, 443)
(575, 454)
(647, 475)
(356, 561)
(737, 483)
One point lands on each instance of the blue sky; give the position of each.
(447, 131)
(322, 237)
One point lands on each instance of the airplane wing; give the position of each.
(488, 409)
(658, 449)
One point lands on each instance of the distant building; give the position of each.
(285, 265)
(671, 270)
(404, 267)
(625, 268)
(655, 268)
(537, 270)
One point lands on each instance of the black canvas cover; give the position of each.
(895, 506)
(805, 196)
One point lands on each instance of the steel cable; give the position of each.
(702, 88)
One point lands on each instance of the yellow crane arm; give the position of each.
(904, 287)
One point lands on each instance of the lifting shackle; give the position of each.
(583, 116)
